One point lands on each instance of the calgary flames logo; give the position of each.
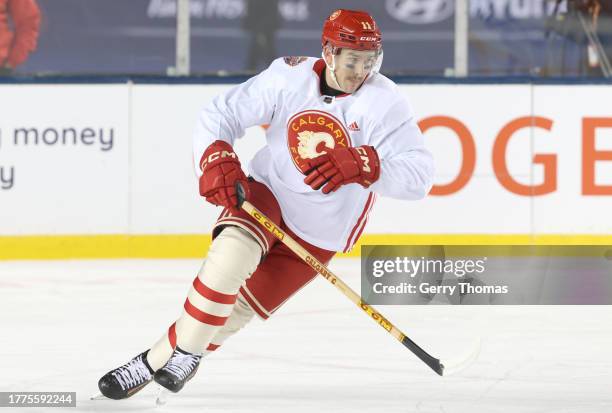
(307, 148)
(310, 133)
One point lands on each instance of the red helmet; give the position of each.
(352, 29)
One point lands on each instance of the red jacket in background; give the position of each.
(16, 44)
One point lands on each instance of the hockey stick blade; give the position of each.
(431, 361)
(446, 367)
(458, 364)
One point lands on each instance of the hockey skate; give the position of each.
(127, 380)
(181, 367)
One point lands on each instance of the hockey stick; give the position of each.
(309, 259)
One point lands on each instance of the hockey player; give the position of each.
(339, 133)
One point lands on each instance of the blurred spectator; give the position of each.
(19, 24)
(572, 20)
(602, 22)
(261, 22)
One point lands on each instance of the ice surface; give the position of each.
(66, 323)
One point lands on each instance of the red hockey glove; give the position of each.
(220, 172)
(341, 166)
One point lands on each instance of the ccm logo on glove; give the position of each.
(364, 157)
(341, 166)
(216, 155)
(220, 171)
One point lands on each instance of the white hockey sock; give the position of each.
(241, 315)
(162, 350)
(232, 258)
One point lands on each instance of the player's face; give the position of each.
(352, 67)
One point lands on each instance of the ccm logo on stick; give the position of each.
(376, 316)
(269, 225)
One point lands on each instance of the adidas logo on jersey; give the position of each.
(354, 127)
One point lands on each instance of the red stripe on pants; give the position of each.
(253, 304)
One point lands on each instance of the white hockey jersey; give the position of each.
(287, 97)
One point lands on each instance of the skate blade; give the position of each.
(162, 397)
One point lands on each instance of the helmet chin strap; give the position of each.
(379, 61)
(332, 70)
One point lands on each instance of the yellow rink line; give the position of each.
(195, 246)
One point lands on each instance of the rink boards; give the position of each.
(106, 170)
